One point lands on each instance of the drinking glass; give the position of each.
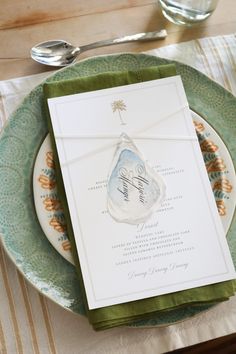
(187, 12)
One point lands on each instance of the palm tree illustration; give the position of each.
(119, 106)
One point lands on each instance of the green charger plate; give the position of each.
(22, 236)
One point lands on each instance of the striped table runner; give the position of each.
(30, 323)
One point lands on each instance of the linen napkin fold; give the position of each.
(126, 313)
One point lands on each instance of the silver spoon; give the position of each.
(61, 53)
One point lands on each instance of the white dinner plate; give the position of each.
(49, 208)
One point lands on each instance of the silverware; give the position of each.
(61, 53)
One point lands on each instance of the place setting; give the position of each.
(52, 272)
(118, 195)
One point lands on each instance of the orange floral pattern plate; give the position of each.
(49, 209)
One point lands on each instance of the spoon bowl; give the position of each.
(55, 53)
(62, 53)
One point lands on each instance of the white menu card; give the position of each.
(182, 245)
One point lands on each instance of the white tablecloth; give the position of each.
(30, 323)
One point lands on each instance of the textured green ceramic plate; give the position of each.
(22, 235)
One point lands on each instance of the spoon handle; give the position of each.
(145, 36)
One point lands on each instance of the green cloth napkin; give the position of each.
(126, 313)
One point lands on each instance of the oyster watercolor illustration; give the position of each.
(134, 189)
